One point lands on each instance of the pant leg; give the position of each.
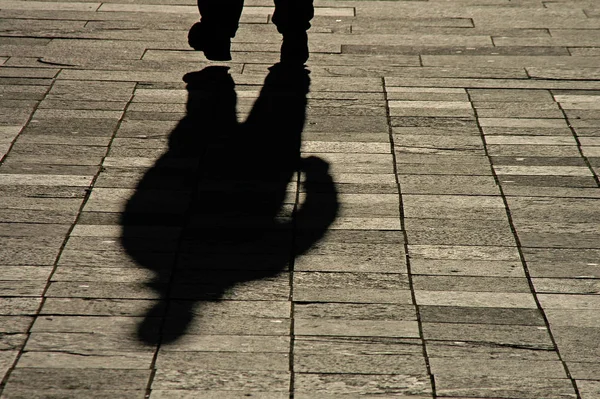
(221, 16)
(292, 16)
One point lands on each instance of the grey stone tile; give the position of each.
(73, 342)
(566, 286)
(572, 317)
(352, 311)
(497, 368)
(7, 359)
(92, 289)
(563, 192)
(86, 360)
(541, 183)
(212, 394)
(19, 306)
(470, 284)
(566, 269)
(90, 324)
(235, 309)
(97, 307)
(584, 371)
(198, 379)
(26, 273)
(216, 325)
(365, 237)
(467, 252)
(447, 184)
(358, 363)
(22, 288)
(111, 258)
(363, 385)
(569, 301)
(338, 248)
(534, 337)
(28, 378)
(15, 324)
(18, 255)
(459, 236)
(481, 351)
(517, 388)
(12, 342)
(533, 150)
(467, 268)
(22, 393)
(588, 389)
(230, 343)
(338, 263)
(476, 299)
(577, 343)
(231, 361)
(356, 328)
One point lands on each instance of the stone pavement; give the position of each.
(441, 238)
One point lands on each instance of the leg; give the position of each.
(219, 23)
(221, 16)
(292, 18)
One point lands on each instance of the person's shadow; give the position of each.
(221, 205)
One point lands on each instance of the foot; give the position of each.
(214, 48)
(294, 49)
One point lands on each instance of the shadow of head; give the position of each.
(220, 206)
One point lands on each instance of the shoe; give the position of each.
(214, 48)
(294, 49)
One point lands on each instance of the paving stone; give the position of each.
(352, 363)
(497, 368)
(97, 307)
(534, 337)
(230, 343)
(339, 384)
(481, 352)
(86, 360)
(588, 389)
(457, 236)
(577, 343)
(22, 288)
(572, 317)
(223, 361)
(569, 301)
(15, 324)
(354, 311)
(475, 299)
(466, 268)
(470, 283)
(521, 388)
(447, 185)
(73, 342)
(19, 306)
(87, 289)
(583, 371)
(21, 393)
(366, 264)
(206, 380)
(471, 252)
(356, 328)
(213, 394)
(29, 378)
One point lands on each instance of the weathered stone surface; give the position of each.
(33, 378)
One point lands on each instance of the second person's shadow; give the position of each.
(222, 201)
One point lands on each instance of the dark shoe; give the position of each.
(215, 48)
(294, 49)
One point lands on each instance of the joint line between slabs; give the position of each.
(520, 251)
(405, 236)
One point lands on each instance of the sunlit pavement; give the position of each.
(439, 239)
